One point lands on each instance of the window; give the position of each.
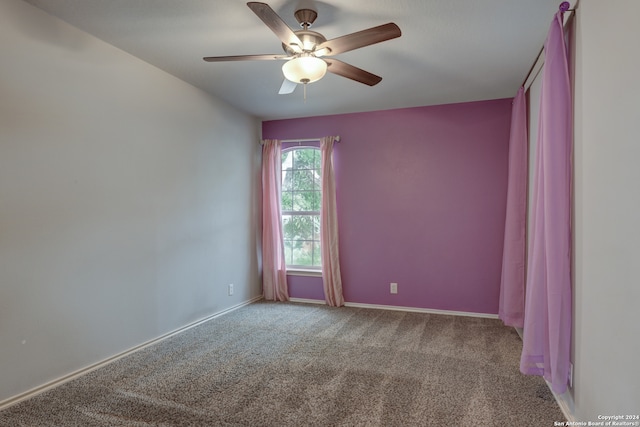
(301, 199)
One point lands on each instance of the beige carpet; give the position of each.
(287, 364)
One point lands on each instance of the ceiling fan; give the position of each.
(309, 53)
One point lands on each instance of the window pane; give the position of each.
(287, 201)
(288, 228)
(317, 254)
(317, 160)
(304, 201)
(316, 227)
(287, 160)
(317, 180)
(288, 252)
(299, 227)
(303, 253)
(304, 227)
(304, 180)
(316, 201)
(303, 158)
(287, 180)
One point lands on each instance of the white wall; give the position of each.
(607, 201)
(128, 201)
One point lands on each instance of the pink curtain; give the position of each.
(547, 321)
(511, 309)
(274, 273)
(331, 278)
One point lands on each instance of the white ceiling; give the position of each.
(450, 50)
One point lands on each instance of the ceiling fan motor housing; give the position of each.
(310, 39)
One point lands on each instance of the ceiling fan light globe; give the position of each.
(305, 69)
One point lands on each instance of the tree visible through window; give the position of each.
(301, 198)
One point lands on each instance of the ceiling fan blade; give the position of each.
(276, 24)
(245, 58)
(360, 39)
(287, 87)
(354, 73)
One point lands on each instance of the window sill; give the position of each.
(303, 272)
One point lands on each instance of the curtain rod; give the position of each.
(304, 140)
(565, 7)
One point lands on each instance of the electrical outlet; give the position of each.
(394, 288)
(571, 375)
(230, 289)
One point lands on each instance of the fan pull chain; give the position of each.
(304, 84)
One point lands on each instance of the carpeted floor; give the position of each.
(288, 364)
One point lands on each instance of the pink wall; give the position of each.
(421, 202)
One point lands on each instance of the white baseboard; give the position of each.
(59, 381)
(401, 308)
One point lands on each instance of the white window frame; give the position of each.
(301, 270)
